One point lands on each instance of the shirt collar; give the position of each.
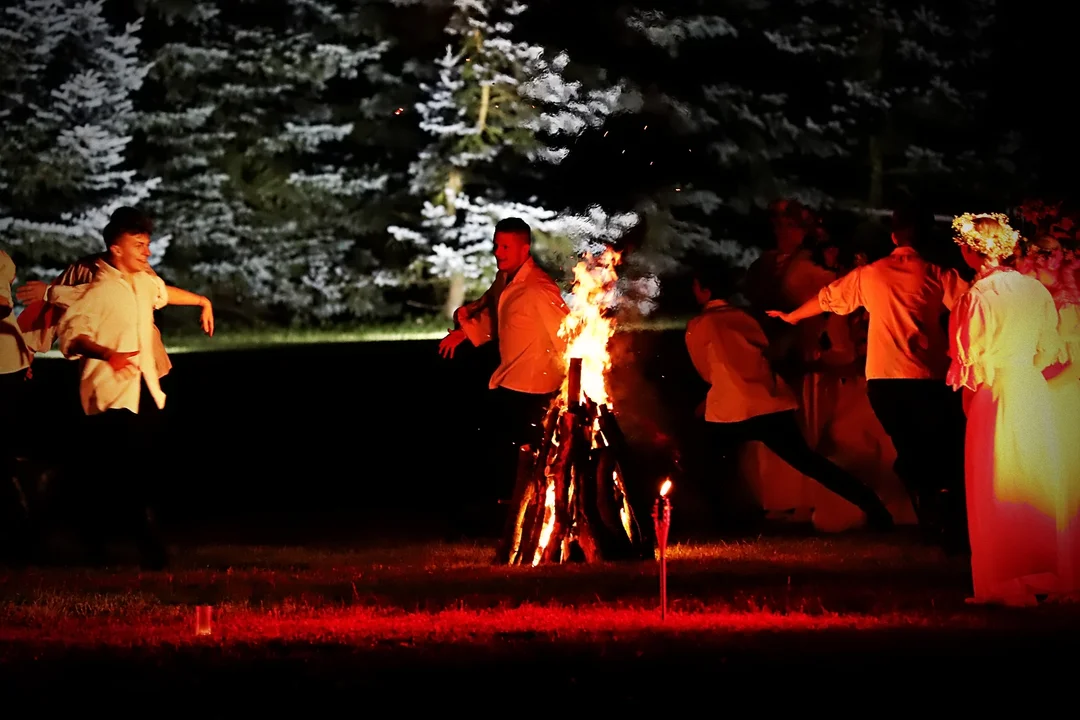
(523, 271)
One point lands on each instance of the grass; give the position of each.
(424, 329)
(357, 615)
(448, 593)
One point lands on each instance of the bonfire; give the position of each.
(570, 501)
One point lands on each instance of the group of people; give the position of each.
(101, 311)
(968, 377)
(983, 416)
(973, 383)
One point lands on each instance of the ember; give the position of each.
(570, 501)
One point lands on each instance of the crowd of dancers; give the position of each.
(973, 376)
(873, 386)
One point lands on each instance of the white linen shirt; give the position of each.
(116, 312)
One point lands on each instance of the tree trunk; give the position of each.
(455, 296)
(485, 106)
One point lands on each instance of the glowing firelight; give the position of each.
(587, 329)
(665, 488)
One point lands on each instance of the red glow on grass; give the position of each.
(365, 626)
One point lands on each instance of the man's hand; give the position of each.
(121, 363)
(207, 318)
(786, 317)
(449, 343)
(31, 291)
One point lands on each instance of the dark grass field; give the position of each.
(440, 618)
(318, 494)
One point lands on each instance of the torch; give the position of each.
(661, 523)
(203, 615)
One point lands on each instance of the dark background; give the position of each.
(301, 442)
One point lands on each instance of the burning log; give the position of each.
(570, 501)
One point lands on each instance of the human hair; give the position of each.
(911, 220)
(515, 226)
(793, 211)
(130, 217)
(127, 223)
(987, 234)
(719, 278)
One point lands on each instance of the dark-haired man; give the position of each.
(748, 401)
(906, 361)
(39, 326)
(523, 311)
(109, 329)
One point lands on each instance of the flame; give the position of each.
(665, 488)
(587, 329)
(549, 523)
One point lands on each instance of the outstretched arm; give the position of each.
(473, 321)
(810, 308)
(842, 297)
(179, 296)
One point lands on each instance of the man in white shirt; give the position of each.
(15, 360)
(109, 328)
(40, 333)
(906, 362)
(748, 401)
(523, 311)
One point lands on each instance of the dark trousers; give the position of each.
(121, 476)
(780, 433)
(519, 420)
(15, 516)
(925, 421)
(513, 419)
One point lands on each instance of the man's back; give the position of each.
(729, 350)
(905, 296)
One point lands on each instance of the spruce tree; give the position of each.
(67, 81)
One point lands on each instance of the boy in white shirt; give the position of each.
(110, 329)
(748, 401)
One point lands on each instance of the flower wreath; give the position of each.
(997, 242)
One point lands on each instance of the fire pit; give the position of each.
(570, 500)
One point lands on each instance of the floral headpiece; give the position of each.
(988, 234)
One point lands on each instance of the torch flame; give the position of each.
(586, 328)
(665, 488)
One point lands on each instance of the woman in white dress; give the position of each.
(1058, 269)
(1003, 334)
(785, 278)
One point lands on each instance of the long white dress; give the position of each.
(1003, 335)
(1058, 271)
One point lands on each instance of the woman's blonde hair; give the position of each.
(988, 234)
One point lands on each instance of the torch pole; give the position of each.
(662, 522)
